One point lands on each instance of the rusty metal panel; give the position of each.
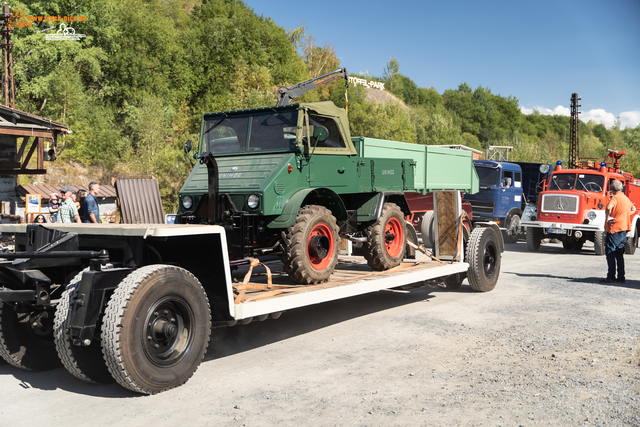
(140, 201)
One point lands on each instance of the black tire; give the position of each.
(534, 237)
(83, 362)
(427, 230)
(632, 244)
(156, 329)
(484, 258)
(23, 345)
(598, 242)
(513, 230)
(384, 248)
(310, 246)
(454, 281)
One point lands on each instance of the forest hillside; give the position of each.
(135, 88)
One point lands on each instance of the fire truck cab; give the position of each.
(571, 206)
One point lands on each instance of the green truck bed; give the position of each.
(437, 168)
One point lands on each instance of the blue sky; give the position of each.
(538, 51)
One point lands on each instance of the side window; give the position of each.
(518, 181)
(507, 179)
(334, 137)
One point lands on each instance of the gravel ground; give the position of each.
(549, 346)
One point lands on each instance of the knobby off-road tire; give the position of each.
(83, 362)
(598, 242)
(632, 243)
(310, 246)
(484, 258)
(384, 248)
(534, 237)
(156, 328)
(427, 230)
(24, 346)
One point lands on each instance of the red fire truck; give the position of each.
(571, 206)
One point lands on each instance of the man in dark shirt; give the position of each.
(91, 209)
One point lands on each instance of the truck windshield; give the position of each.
(588, 182)
(489, 177)
(562, 181)
(269, 131)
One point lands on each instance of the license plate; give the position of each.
(556, 231)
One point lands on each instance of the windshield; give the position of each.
(488, 176)
(580, 182)
(260, 132)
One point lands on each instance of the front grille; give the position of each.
(560, 203)
(478, 206)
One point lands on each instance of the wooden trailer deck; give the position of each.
(256, 295)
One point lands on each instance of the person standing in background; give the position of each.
(90, 205)
(68, 210)
(618, 223)
(54, 207)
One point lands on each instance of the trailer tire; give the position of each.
(83, 362)
(454, 281)
(598, 242)
(302, 262)
(384, 248)
(483, 256)
(534, 237)
(632, 243)
(427, 230)
(23, 346)
(156, 329)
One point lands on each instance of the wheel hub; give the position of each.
(168, 331)
(319, 246)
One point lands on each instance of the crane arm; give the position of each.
(287, 94)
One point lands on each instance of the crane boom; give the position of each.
(287, 94)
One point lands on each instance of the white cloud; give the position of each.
(627, 119)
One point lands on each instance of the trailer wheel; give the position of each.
(534, 237)
(483, 256)
(454, 281)
(156, 329)
(26, 339)
(598, 242)
(310, 246)
(85, 363)
(427, 231)
(632, 243)
(384, 248)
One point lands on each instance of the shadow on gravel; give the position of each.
(60, 379)
(227, 341)
(630, 284)
(554, 248)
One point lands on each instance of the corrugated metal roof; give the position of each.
(140, 201)
(45, 190)
(8, 115)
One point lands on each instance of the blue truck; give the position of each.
(505, 189)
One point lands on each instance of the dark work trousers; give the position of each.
(614, 249)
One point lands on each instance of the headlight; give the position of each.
(253, 201)
(187, 202)
(591, 215)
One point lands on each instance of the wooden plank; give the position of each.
(447, 232)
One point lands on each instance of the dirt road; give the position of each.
(549, 346)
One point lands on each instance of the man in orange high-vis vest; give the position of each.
(618, 213)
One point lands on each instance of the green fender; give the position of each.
(309, 196)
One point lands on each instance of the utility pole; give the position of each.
(574, 133)
(8, 87)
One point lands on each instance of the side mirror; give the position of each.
(188, 146)
(320, 134)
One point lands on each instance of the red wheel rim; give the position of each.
(393, 237)
(318, 263)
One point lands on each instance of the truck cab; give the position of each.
(571, 207)
(500, 197)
